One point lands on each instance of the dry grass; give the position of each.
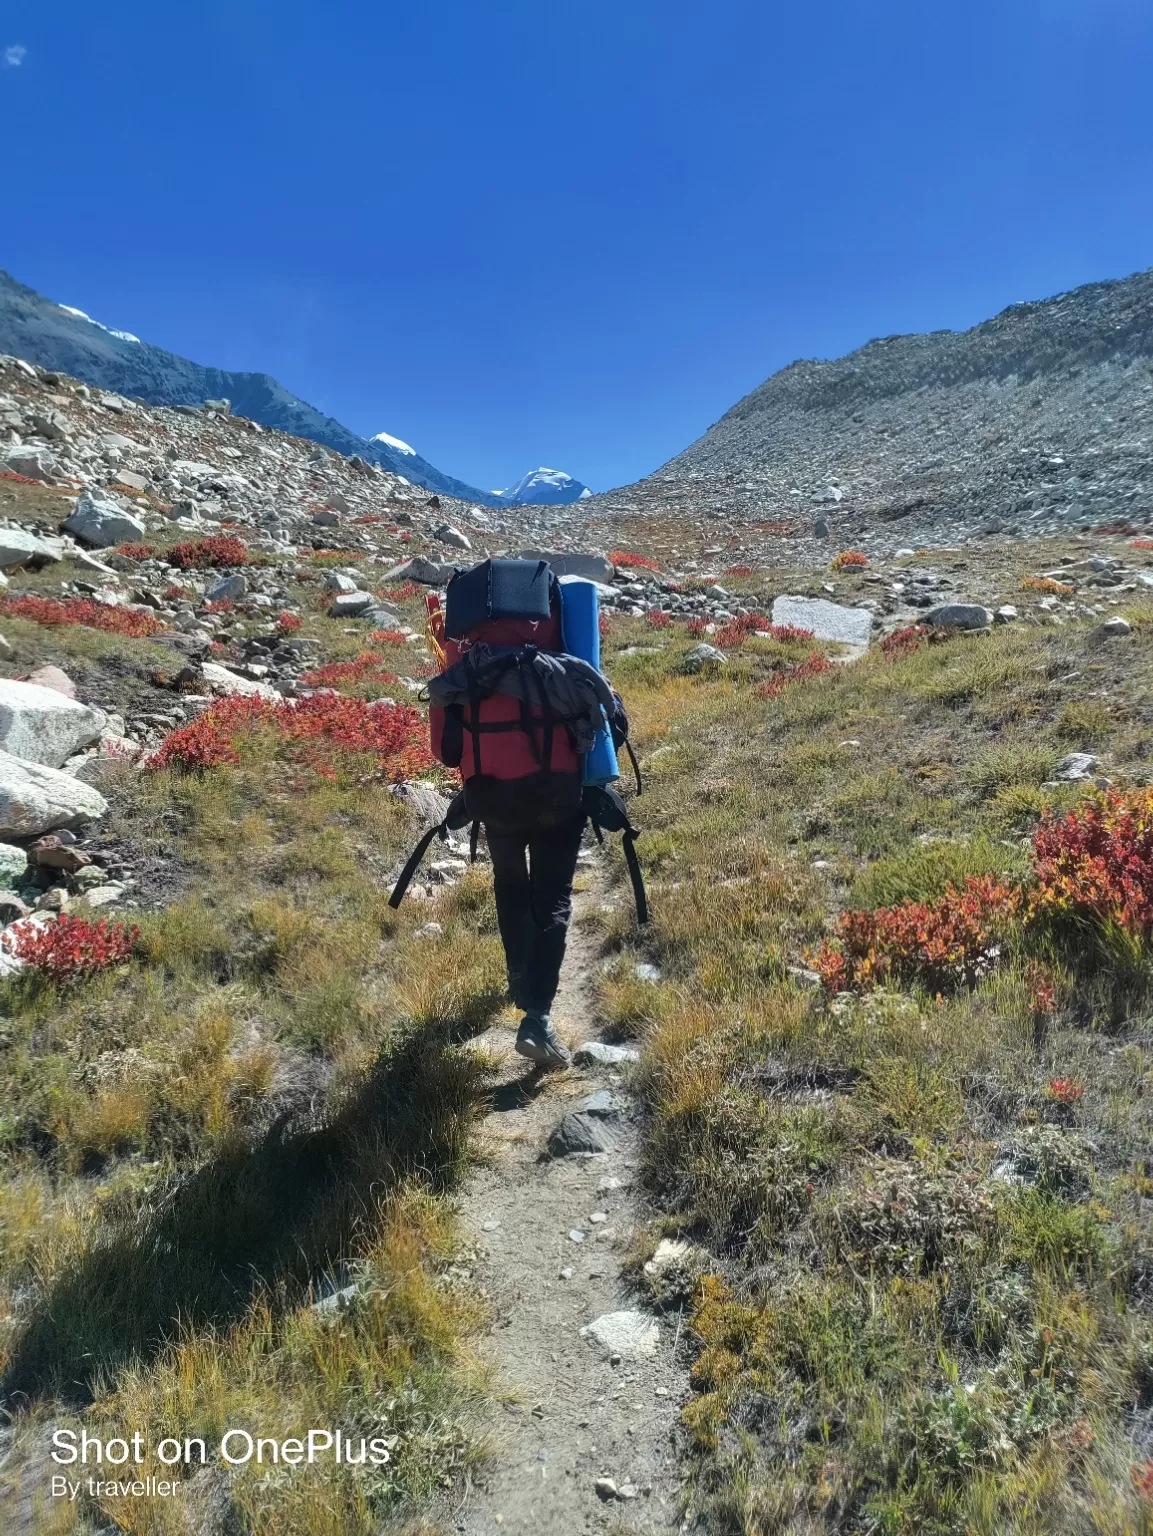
(925, 1292)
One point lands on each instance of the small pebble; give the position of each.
(605, 1488)
(576, 1235)
(489, 1226)
(566, 1272)
(598, 1216)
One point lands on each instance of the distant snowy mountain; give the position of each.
(544, 487)
(393, 442)
(62, 337)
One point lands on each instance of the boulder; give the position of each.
(17, 547)
(422, 796)
(227, 589)
(959, 616)
(32, 463)
(1116, 626)
(99, 521)
(1076, 767)
(828, 621)
(702, 656)
(131, 479)
(380, 616)
(43, 725)
(35, 799)
(567, 563)
(1006, 614)
(54, 678)
(447, 534)
(632, 1335)
(580, 1133)
(336, 582)
(229, 685)
(350, 605)
(429, 573)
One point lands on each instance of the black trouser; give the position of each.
(533, 875)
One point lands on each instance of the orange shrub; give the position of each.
(51, 612)
(1046, 584)
(1095, 864)
(788, 677)
(221, 549)
(630, 561)
(941, 945)
(903, 642)
(849, 560)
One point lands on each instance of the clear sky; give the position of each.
(564, 232)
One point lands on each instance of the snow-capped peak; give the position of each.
(544, 486)
(393, 442)
(79, 314)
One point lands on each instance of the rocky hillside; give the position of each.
(1035, 422)
(58, 337)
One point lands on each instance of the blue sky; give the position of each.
(516, 232)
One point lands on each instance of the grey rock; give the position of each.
(429, 573)
(335, 581)
(350, 605)
(632, 1335)
(591, 567)
(229, 685)
(1006, 614)
(42, 725)
(33, 463)
(99, 521)
(602, 1105)
(820, 528)
(447, 534)
(18, 547)
(960, 616)
(1076, 767)
(702, 656)
(36, 799)
(1116, 626)
(227, 589)
(598, 1053)
(579, 1133)
(424, 798)
(380, 616)
(827, 621)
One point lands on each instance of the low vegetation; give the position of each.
(896, 1073)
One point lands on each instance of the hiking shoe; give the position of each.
(539, 1041)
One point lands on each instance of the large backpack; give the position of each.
(518, 756)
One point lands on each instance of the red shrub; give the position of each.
(903, 642)
(696, 627)
(812, 666)
(288, 622)
(604, 626)
(364, 667)
(734, 632)
(135, 551)
(133, 622)
(220, 605)
(396, 735)
(658, 618)
(1142, 544)
(387, 637)
(1095, 864)
(739, 570)
(1065, 1090)
(942, 945)
(632, 562)
(788, 633)
(849, 560)
(74, 947)
(174, 591)
(221, 549)
(402, 594)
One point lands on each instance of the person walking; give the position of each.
(519, 717)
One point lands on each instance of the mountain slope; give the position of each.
(55, 336)
(1036, 419)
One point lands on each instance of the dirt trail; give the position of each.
(571, 1417)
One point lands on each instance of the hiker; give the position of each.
(526, 721)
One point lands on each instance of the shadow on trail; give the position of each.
(269, 1217)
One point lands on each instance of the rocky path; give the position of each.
(583, 1429)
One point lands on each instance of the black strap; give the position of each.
(404, 879)
(473, 840)
(638, 883)
(636, 766)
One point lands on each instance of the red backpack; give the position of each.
(519, 763)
